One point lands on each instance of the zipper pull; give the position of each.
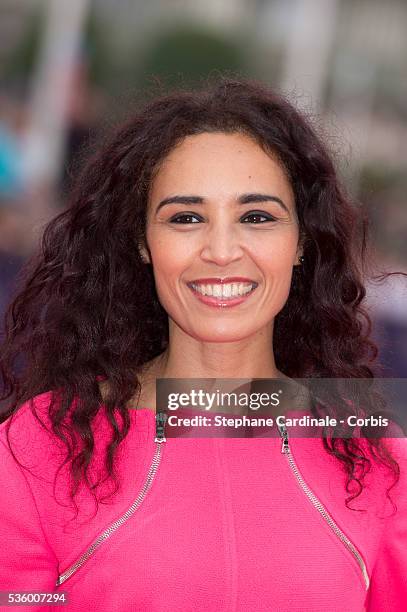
(285, 448)
(160, 419)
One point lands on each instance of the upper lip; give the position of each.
(222, 281)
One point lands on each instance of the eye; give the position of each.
(184, 218)
(257, 217)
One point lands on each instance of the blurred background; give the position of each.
(70, 69)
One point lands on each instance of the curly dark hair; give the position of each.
(87, 305)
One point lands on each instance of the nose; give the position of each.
(222, 244)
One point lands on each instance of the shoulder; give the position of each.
(28, 437)
(397, 448)
(30, 449)
(30, 419)
(28, 430)
(384, 482)
(388, 589)
(26, 556)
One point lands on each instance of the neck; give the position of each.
(187, 357)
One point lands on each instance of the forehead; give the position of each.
(211, 164)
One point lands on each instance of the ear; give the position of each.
(144, 254)
(299, 252)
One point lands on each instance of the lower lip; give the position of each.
(219, 302)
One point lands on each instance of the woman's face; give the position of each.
(222, 233)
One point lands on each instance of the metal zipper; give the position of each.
(160, 437)
(320, 507)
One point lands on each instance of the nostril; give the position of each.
(221, 254)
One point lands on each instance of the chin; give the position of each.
(222, 335)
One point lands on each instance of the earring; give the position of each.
(142, 255)
(301, 259)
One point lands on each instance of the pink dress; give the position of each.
(208, 524)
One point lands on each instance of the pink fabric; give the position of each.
(224, 527)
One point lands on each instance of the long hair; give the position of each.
(87, 306)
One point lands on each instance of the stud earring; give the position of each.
(143, 257)
(301, 259)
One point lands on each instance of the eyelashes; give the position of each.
(256, 215)
(253, 218)
(184, 218)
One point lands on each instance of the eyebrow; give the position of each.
(246, 198)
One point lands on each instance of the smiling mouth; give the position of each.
(223, 294)
(224, 290)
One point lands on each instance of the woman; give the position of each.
(208, 238)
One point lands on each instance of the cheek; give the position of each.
(277, 254)
(276, 264)
(170, 259)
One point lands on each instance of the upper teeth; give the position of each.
(225, 289)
